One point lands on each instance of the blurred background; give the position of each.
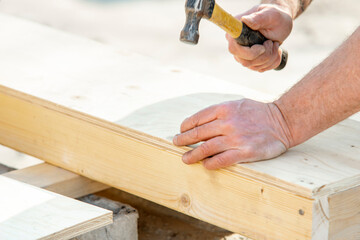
(152, 28)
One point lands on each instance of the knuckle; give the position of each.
(248, 151)
(195, 120)
(195, 133)
(227, 127)
(221, 161)
(268, 45)
(256, 51)
(205, 150)
(246, 64)
(224, 109)
(235, 141)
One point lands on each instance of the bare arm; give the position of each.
(325, 96)
(246, 131)
(296, 7)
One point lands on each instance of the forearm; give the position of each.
(328, 94)
(296, 7)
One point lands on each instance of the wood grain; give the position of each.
(150, 168)
(28, 213)
(344, 215)
(78, 88)
(94, 79)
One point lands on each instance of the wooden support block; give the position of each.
(56, 180)
(30, 213)
(68, 119)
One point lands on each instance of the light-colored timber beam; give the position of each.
(150, 168)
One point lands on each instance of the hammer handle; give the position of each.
(249, 37)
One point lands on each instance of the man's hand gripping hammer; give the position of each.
(245, 36)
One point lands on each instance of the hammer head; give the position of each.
(195, 10)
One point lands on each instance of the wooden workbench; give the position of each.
(109, 116)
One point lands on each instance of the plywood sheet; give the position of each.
(28, 213)
(139, 93)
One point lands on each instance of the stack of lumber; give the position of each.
(109, 116)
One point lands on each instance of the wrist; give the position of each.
(287, 6)
(282, 125)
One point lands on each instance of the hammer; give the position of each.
(245, 36)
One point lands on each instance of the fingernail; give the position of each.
(185, 158)
(175, 139)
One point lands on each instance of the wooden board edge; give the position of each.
(153, 141)
(45, 204)
(320, 225)
(337, 216)
(86, 227)
(101, 152)
(56, 180)
(344, 211)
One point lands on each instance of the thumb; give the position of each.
(258, 20)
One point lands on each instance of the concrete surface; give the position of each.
(125, 221)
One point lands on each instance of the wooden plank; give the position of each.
(28, 213)
(100, 82)
(280, 197)
(56, 180)
(150, 168)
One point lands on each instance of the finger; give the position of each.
(204, 116)
(263, 60)
(198, 134)
(246, 53)
(209, 148)
(258, 20)
(275, 60)
(229, 157)
(222, 160)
